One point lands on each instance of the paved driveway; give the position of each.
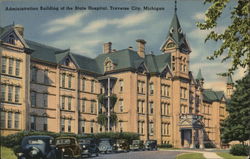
(140, 155)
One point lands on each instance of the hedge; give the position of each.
(239, 150)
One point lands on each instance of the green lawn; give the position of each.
(7, 153)
(191, 156)
(226, 155)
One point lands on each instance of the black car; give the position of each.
(137, 145)
(88, 147)
(151, 145)
(34, 147)
(106, 145)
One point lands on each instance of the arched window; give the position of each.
(108, 65)
(11, 40)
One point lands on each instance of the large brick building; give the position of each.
(51, 89)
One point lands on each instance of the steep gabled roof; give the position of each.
(230, 79)
(211, 96)
(199, 76)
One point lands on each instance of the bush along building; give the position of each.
(51, 89)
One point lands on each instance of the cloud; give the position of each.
(61, 24)
(202, 34)
(199, 16)
(127, 21)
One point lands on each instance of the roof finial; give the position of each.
(175, 6)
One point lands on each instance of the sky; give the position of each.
(63, 25)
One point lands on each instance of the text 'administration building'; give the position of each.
(49, 89)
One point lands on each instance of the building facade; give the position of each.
(50, 89)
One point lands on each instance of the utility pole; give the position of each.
(108, 104)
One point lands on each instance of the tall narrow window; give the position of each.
(168, 91)
(33, 123)
(45, 124)
(63, 80)
(151, 106)
(4, 59)
(142, 126)
(17, 67)
(142, 106)
(2, 122)
(3, 92)
(10, 93)
(91, 127)
(69, 103)
(45, 100)
(34, 74)
(151, 88)
(11, 63)
(83, 84)
(46, 77)
(83, 126)
(92, 107)
(69, 125)
(70, 81)
(168, 108)
(121, 85)
(92, 86)
(17, 94)
(121, 105)
(62, 125)
(121, 126)
(63, 102)
(33, 99)
(168, 128)
(83, 105)
(16, 120)
(151, 128)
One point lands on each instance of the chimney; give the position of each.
(20, 29)
(107, 47)
(141, 47)
(130, 48)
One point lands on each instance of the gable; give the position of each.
(166, 73)
(142, 68)
(68, 62)
(168, 44)
(13, 39)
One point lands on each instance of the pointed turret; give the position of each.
(229, 79)
(199, 78)
(230, 86)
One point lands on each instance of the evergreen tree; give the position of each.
(237, 125)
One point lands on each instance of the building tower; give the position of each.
(200, 79)
(230, 85)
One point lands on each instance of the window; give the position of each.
(45, 124)
(3, 91)
(33, 123)
(151, 128)
(168, 125)
(121, 105)
(83, 126)
(33, 99)
(168, 108)
(4, 59)
(2, 122)
(16, 125)
(142, 106)
(173, 66)
(121, 127)
(63, 80)
(108, 66)
(17, 94)
(10, 93)
(168, 91)
(121, 85)
(70, 81)
(69, 103)
(17, 67)
(46, 77)
(181, 67)
(151, 107)
(142, 126)
(91, 127)
(11, 40)
(83, 84)
(45, 100)
(92, 86)
(92, 107)
(151, 88)
(184, 68)
(83, 105)
(63, 102)
(142, 87)
(33, 74)
(11, 63)
(62, 125)
(69, 125)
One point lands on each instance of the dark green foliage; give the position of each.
(209, 145)
(165, 146)
(103, 99)
(239, 150)
(102, 119)
(237, 125)
(235, 39)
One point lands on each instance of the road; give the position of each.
(140, 155)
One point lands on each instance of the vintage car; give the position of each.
(106, 145)
(151, 145)
(121, 145)
(88, 147)
(33, 147)
(137, 145)
(69, 147)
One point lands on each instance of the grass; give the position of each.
(7, 153)
(191, 156)
(226, 155)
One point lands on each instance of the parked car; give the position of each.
(89, 147)
(106, 145)
(69, 147)
(33, 147)
(151, 145)
(121, 145)
(137, 145)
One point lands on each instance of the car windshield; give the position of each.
(84, 141)
(105, 141)
(62, 141)
(35, 141)
(149, 142)
(136, 141)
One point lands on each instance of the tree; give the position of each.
(237, 125)
(235, 38)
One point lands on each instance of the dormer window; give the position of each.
(67, 61)
(170, 45)
(11, 40)
(108, 65)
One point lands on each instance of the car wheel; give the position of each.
(97, 154)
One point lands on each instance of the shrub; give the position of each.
(239, 150)
(209, 145)
(165, 146)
